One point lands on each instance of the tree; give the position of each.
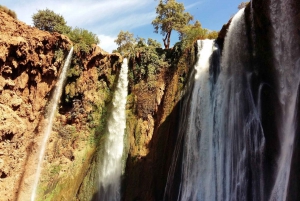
(125, 42)
(170, 16)
(47, 20)
(82, 38)
(243, 5)
(190, 33)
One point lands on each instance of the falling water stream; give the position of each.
(111, 164)
(225, 143)
(50, 117)
(224, 140)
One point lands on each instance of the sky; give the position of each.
(106, 18)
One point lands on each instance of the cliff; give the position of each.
(30, 62)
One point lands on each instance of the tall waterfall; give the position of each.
(241, 135)
(111, 166)
(224, 140)
(50, 116)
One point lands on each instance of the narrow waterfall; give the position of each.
(195, 181)
(50, 117)
(287, 67)
(111, 164)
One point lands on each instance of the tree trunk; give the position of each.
(167, 40)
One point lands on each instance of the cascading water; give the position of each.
(224, 140)
(50, 116)
(111, 166)
(287, 66)
(241, 134)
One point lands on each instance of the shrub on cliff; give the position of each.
(191, 33)
(8, 11)
(83, 39)
(125, 41)
(47, 20)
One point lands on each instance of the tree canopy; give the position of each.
(125, 42)
(171, 15)
(47, 20)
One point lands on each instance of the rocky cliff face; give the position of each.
(29, 67)
(30, 62)
(153, 113)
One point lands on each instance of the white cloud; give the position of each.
(84, 14)
(107, 42)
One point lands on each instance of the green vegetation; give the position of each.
(47, 20)
(191, 33)
(170, 16)
(125, 42)
(83, 39)
(8, 11)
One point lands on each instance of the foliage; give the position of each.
(212, 35)
(59, 55)
(191, 33)
(125, 42)
(243, 5)
(170, 16)
(153, 43)
(47, 20)
(83, 39)
(8, 11)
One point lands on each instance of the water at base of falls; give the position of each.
(50, 116)
(111, 164)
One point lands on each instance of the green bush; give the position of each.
(83, 39)
(8, 11)
(47, 20)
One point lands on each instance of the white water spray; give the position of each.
(50, 115)
(224, 139)
(111, 166)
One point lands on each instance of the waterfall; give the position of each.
(287, 67)
(224, 140)
(111, 166)
(50, 116)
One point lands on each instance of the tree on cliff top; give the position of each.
(125, 42)
(47, 20)
(170, 16)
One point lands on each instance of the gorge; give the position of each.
(218, 121)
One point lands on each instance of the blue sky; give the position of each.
(107, 17)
